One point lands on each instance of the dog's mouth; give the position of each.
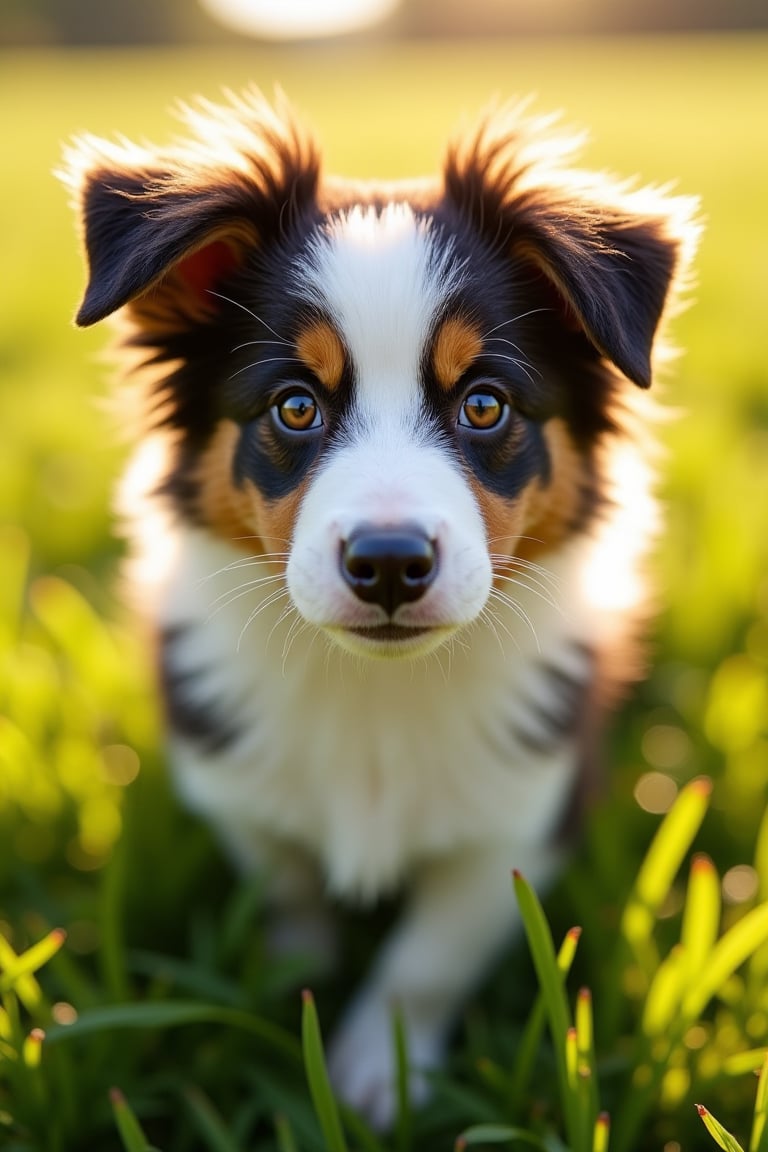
(391, 640)
(393, 633)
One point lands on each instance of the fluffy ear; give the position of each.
(610, 255)
(178, 221)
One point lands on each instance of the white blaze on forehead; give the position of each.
(382, 277)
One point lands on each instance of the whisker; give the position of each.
(512, 360)
(298, 626)
(237, 304)
(514, 320)
(269, 360)
(523, 358)
(503, 560)
(233, 594)
(244, 562)
(534, 587)
(288, 610)
(255, 536)
(253, 343)
(273, 599)
(487, 617)
(518, 610)
(493, 619)
(515, 538)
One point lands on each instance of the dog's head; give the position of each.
(397, 389)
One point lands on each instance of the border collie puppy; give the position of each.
(388, 513)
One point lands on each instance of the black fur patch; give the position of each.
(208, 723)
(562, 715)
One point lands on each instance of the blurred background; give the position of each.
(673, 91)
(74, 22)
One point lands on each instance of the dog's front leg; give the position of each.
(461, 911)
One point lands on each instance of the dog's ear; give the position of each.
(609, 255)
(171, 225)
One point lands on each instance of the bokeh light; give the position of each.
(298, 19)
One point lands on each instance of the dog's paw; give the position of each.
(362, 1062)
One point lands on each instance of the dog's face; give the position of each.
(400, 394)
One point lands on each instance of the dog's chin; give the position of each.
(390, 641)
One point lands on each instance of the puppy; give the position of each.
(388, 512)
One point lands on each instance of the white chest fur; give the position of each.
(374, 765)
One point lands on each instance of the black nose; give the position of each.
(388, 566)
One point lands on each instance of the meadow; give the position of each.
(159, 1019)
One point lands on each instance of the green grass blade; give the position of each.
(286, 1141)
(758, 1141)
(664, 995)
(32, 1048)
(525, 1056)
(172, 1014)
(662, 862)
(497, 1134)
(730, 952)
(701, 915)
(17, 976)
(130, 1130)
(317, 1077)
(551, 983)
(112, 952)
(28, 962)
(587, 1063)
(209, 1123)
(602, 1133)
(719, 1134)
(744, 1062)
(758, 965)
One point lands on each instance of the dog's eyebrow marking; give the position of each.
(458, 342)
(321, 349)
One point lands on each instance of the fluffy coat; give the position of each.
(388, 516)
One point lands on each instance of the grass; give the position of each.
(159, 1019)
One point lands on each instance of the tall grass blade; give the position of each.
(701, 915)
(602, 1133)
(551, 983)
(662, 862)
(286, 1141)
(172, 1014)
(32, 1049)
(758, 1141)
(525, 1056)
(497, 1134)
(211, 1126)
(719, 1134)
(664, 995)
(131, 1132)
(15, 968)
(730, 952)
(317, 1077)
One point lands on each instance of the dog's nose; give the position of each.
(388, 566)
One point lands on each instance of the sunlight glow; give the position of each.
(298, 19)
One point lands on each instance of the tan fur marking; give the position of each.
(539, 517)
(458, 343)
(241, 515)
(229, 511)
(553, 508)
(323, 353)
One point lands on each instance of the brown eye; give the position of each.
(299, 412)
(482, 410)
